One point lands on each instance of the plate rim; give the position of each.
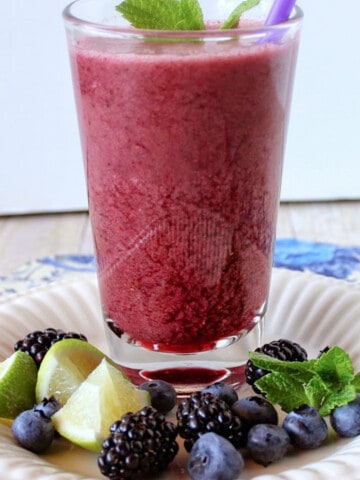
(43, 470)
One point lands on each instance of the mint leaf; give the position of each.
(325, 383)
(174, 14)
(316, 391)
(336, 399)
(283, 390)
(235, 15)
(153, 14)
(356, 382)
(304, 371)
(191, 10)
(163, 14)
(335, 367)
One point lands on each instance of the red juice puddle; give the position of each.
(187, 380)
(189, 375)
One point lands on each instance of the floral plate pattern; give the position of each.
(322, 258)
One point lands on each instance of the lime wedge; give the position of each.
(65, 366)
(17, 384)
(97, 403)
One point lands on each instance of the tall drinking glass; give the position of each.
(183, 139)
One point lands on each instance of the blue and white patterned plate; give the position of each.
(322, 258)
(45, 270)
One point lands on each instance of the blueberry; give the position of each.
(253, 410)
(214, 458)
(306, 428)
(267, 443)
(33, 430)
(222, 391)
(345, 419)
(48, 406)
(162, 395)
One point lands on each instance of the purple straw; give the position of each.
(280, 11)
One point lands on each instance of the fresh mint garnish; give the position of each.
(174, 14)
(325, 383)
(163, 14)
(234, 17)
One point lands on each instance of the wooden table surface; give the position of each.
(24, 238)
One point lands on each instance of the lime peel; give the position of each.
(65, 366)
(18, 374)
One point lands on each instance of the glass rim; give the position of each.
(76, 20)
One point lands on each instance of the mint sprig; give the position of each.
(174, 14)
(163, 14)
(235, 16)
(325, 383)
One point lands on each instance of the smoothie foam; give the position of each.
(183, 156)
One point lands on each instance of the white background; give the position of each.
(41, 164)
(323, 149)
(40, 157)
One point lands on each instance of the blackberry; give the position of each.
(37, 343)
(139, 443)
(282, 349)
(204, 412)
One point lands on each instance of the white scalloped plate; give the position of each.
(313, 310)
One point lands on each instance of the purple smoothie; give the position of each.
(183, 147)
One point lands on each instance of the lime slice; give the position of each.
(65, 366)
(98, 402)
(17, 384)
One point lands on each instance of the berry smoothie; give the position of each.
(183, 145)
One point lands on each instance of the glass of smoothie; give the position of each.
(183, 136)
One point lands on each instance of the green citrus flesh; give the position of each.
(18, 374)
(97, 403)
(65, 366)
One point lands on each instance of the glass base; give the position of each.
(188, 372)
